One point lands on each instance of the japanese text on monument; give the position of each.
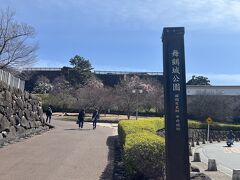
(176, 86)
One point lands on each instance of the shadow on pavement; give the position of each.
(77, 129)
(108, 171)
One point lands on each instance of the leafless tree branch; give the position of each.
(16, 51)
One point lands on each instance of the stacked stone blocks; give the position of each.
(21, 114)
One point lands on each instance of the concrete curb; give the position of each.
(221, 169)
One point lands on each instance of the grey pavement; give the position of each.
(218, 175)
(227, 158)
(64, 153)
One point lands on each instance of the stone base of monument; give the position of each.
(192, 144)
(199, 176)
(190, 151)
(212, 165)
(236, 174)
(194, 169)
(196, 157)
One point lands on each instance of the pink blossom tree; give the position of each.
(130, 101)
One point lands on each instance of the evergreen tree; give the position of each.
(80, 73)
(199, 80)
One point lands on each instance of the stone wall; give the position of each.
(21, 114)
(109, 79)
(200, 134)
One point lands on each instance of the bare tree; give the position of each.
(16, 49)
(92, 95)
(158, 97)
(219, 108)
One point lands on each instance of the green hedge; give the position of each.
(143, 149)
(126, 127)
(144, 156)
(215, 126)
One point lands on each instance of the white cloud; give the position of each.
(212, 13)
(151, 14)
(189, 13)
(155, 14)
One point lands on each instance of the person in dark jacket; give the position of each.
(81, 117)
(95, 118)
(231, 135)
(49, 114)
(230, 138)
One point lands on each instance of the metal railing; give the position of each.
(11, 80)
(42, 69)
(96, 72)
(128, 72)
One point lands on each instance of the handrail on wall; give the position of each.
(11, 80)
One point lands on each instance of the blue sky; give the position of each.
(125, 35)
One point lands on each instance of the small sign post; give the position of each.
(177, 150)
(209, 121)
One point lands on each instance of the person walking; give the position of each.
(231, 136)
(81, 117)
(95, 118)
(49, 115)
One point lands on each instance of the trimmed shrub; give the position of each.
(144, 156)
(215, 126)
(143, 149)
(127, 127)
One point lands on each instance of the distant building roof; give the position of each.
(213, 90)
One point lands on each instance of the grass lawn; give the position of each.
(112, 118)
(103, 117)
(215, 126)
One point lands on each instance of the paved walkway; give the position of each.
(221, 174)
(65, 153)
